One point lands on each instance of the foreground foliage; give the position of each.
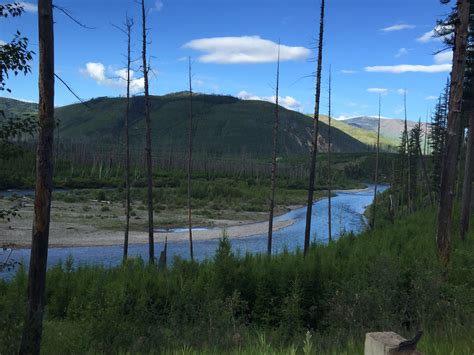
(386, 279)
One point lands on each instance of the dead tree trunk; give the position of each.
(274, 157)
(128, 27)
(314, 145)
(329, 162)
(376, 176)
(450, 157)
(467, 183)
(407, 150)
(151, 242)
(190, 155)
(32, 330)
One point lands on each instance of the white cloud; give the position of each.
(158, 5)
(431, 97)
(402, 91)
(286, 101)
(346, 71)
(29, 7)
(244, 50)
(443, 57)
(402, 52)
(432, 35)
(112, 78)
(382, 91)
(2, 43)
(397, 27)
(409, 68)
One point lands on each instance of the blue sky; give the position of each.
(373, 46)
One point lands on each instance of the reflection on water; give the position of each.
(347, 216)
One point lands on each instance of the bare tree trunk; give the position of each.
(467, 183)
(329, 162)
(450, 157)
(32, 330)
(314, 145)
(128, 26)
(425, 176)
(409, 200)
(274, 156)
(151, 242)
(376, 176)
(190, 154)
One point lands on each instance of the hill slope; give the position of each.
(364, 135)
(390, 128)
(12, 107)
(225, 125)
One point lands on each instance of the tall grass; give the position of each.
(388, 279)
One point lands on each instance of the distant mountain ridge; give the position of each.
(390, 128)
(225, 125)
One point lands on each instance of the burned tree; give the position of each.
(376, 175)
(149, 179)
(329, 162)
(314, 143)
(274, 158)
(32, 330)
(190, 160)
(450, 157)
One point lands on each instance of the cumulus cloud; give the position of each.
(397, 27)
(382, 91)
(112, 78)
(244, 50)
(431, 97)
(409, 68)
(29, 7)
(433, 34)
(443, 57)
(346, 71)
(402, 52)
(402, 91)
(285, 101)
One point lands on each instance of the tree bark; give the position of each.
(32, 330)
(190, 155)
(450, 157)
(314, 145)
(376, 176)
(128, 25)
(329, 162)
(151, 242)
(274, 156)
(467, 183)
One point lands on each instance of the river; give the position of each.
(347, 216)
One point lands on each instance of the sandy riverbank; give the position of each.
(71, 226)
(84, 236)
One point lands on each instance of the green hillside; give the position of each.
(12, 107)
(224, 125)
(364, 135)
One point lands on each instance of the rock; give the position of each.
(384, 343)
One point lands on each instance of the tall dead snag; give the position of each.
(450, 157)
(314, 143)
(32, 330)
(274, 157)
(407, 150)
(376, 175)
(151, 242)
(190, 157)
(128, 29)
(329, 162)
(467, 183)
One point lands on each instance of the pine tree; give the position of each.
(450, 157)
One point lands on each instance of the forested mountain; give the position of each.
(224, 125)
